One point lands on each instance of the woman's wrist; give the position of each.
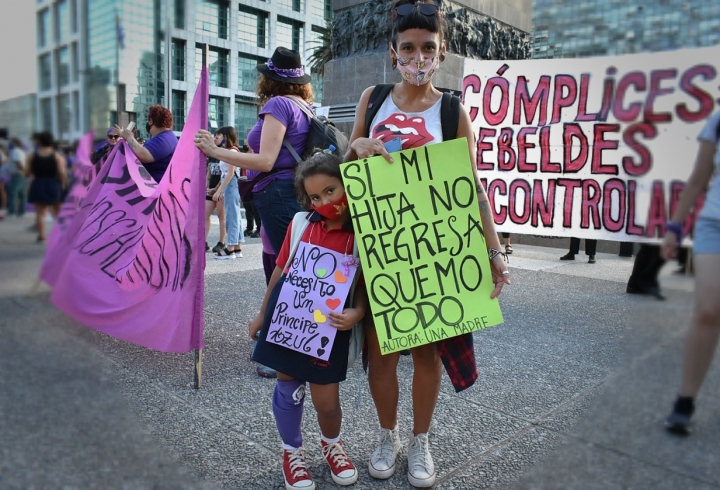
(675, 228)
(494, 252)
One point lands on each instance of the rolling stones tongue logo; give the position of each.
(411, 130)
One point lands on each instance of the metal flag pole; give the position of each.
(117, 65)
(202, 171)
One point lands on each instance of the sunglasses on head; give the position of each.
(427, 9)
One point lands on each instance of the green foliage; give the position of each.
(322, 51)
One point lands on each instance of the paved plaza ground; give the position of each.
(572, 392)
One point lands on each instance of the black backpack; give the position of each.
(449, 110)
(323, 133)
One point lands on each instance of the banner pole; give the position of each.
(201, 224)
(198, 368)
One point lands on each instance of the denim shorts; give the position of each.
(707, 237)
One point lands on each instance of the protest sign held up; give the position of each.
(318, 282)
(421, 245)
(592, 147)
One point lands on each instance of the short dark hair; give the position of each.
(416, 20)
(319, 163)
(45, 139)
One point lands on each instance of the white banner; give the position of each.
(590, 147)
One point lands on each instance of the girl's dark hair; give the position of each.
(416, 20)
(319, 163)
(230, 134)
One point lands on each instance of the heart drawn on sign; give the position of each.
(332, 303)
(321, 273)
(323, 342)
(340, 278)
(319, 317)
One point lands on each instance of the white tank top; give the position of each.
(415, 128)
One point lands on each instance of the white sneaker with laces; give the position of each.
(421, 469)
(382, 460)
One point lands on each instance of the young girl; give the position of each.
(417, 48)
(319, 187)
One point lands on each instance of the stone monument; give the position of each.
(478, 29)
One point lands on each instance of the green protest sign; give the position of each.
(421, 245)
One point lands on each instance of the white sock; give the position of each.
(327, 440)
(287, 447)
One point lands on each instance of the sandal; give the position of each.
(508, 249)
(224, 254)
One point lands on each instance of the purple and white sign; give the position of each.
(317, 284)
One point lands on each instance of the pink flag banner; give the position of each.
(83, 173)
(317, 284)
(133, 264)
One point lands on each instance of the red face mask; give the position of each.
(332, 210)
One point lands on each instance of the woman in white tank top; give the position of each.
(412, 112)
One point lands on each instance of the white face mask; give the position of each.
(416, 72)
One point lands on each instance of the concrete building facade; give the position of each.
(17, 116)
(100, 61)
(585, 28)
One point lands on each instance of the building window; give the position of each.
(76, 110)
(43, 32)
(74, 60)
(211, 18)
(253, 27)
(179, 102)
(46, 114)
(245, 117)
(63, 66)
(63, 113)
(218, 65)
(247, 72)
(289, 33)
(178, 14)
(62, 21)
(322, 9)
(178, 59)
(218, 111)
(317, 86)
(294, 5)
(73, 16)
(45, 71)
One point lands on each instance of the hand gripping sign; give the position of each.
(318, 282)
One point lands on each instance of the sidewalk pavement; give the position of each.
(572, 392)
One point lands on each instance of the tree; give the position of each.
(321, 50)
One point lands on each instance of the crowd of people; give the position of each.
(277, 189)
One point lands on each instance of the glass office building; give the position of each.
(584, 28)
(100, 61)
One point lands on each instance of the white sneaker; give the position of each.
(382, 460)
(421, 469)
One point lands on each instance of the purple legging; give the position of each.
(288, 402)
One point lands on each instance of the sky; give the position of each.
(17, 48)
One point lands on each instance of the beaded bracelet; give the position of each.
(494, 252)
